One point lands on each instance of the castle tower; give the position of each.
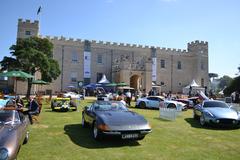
(199, 51)
(27, 28)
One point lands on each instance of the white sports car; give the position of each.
(149, 102)
(73, 95)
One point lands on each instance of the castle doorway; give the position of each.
(135, 82)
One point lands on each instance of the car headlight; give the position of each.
(209, 114)
(3, 154)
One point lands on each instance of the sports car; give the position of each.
(63, 104)
(216, 113)
(73, 95)
(13, 133)
(112, 118)
(149, 102)
(173, 104)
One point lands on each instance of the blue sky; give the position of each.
(163, 23)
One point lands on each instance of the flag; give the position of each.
(39, 10)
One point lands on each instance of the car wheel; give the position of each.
(142, 105)
(96, 133)
(171, 105)
(84, 123)
(25, 141)
(202, 121)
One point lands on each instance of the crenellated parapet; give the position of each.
(27, 21)
(197, 47)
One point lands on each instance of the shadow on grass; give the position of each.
(164, 120)
(195, 123)
(82, 137)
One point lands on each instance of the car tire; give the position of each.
(95, 132)
(25, 141)
(142, 105)
(172, 106)
(84, 123)
(202, 120)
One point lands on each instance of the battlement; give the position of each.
(27, 21)
(106, 43)
(197, 42)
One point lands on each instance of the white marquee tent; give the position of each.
(195, 88)
(103, 80)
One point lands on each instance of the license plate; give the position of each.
(129, 136)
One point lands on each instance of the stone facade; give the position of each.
(129, 63)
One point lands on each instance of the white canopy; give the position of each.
(103, 80)
(195, 88)
(193, 84)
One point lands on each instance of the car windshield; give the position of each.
(8, 116)
(211, 104)
(109, 105)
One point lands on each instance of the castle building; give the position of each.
(86, 61)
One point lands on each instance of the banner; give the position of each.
(87, 65)
(154, 69)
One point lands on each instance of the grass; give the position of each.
(59, 136)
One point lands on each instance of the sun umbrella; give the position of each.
(16, 74)
(121, 84)
(39, 81)
(111, 84)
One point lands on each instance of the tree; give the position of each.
(224, 82)
(33, 55)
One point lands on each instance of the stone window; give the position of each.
(74, 77)
(162, 63)
(74, 57)
(99, 59)
(162, 83)
(28, 33)
(179, 65)
(99, 76)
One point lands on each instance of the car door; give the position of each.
(154, 102)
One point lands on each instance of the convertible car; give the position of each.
(216, 113)
(112, 118)
(149, 102)
(13, 133)
(63, 104)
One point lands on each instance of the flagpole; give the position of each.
(39, 12)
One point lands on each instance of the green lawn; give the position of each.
(59, 136)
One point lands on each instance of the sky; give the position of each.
(161, 23)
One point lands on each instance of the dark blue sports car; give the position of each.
(112, 118)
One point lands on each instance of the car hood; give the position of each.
(7, 134)
(223, 112)
(123, 120)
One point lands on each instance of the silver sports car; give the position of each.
(13, 133)
(216, 113)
